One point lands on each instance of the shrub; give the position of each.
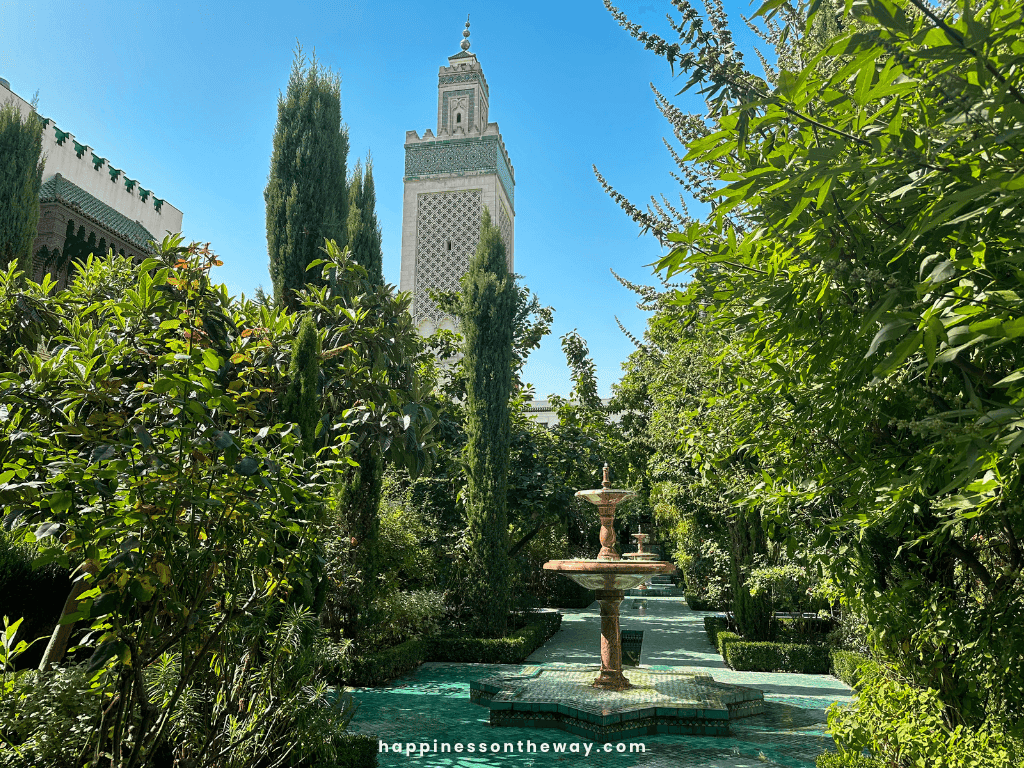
(379, 668)
(724, 639)
(902, 725)
(848, 760)
(404, 615)
(713, 625)
(852, 667)
(850, 633)
(512, 649)
(47, 719)
(776, 657)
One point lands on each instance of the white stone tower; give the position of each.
(449, 179)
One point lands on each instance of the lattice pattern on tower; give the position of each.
(505, 228)
(447, 233)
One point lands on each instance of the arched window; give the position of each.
(458, 117)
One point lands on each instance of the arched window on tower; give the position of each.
(458, 117)
(448, 245)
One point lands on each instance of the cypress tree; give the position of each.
(487, 313)
(21, 176)
(364, 236)
(302, 400)
(306, 192)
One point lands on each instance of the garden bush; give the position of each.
(713, 625)
(512, 649)
(776, 657)
(902, 725)
(379, 668)
(852, 667)
(723, 639)
(129, 411)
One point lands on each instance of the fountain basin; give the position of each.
(609, 574)
(561, 696)
(604, 496)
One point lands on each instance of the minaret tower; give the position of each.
(449, 179)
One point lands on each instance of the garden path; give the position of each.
(432, 703)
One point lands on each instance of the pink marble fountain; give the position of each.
(610, 576)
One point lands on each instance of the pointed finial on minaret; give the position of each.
(465, 35)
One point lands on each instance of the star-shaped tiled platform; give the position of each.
(561, 696)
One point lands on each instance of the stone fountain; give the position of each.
(610, 707)
(609, 576)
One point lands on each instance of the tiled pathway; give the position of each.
(433, 703)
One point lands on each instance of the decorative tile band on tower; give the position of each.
(463, 77)
(481, 154)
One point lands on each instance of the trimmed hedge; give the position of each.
(713, 625)
(847, 760)
(724, 640)
(852, 667)
(502, 650)
(804, 659)
(378, 668)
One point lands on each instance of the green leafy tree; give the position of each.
(21, 176)
(306, 195)
(863, 247)
(146, 457)
(486, 316)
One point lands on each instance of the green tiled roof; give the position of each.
(59, 189)
(461, 55)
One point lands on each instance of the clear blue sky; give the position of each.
(183, 96)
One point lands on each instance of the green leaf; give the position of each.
(211, 360)
(247, 466)
(104, 652)
(144, 438)
(46, 529)
(898, 355)
(891, 330)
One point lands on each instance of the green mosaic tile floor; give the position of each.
(433, 703)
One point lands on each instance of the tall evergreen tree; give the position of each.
(364, 237)
(306, 193)
(21, 175)
(487, 312)
(302, 400)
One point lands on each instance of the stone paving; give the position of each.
(431, 707)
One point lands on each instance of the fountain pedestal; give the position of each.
(611, 677)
